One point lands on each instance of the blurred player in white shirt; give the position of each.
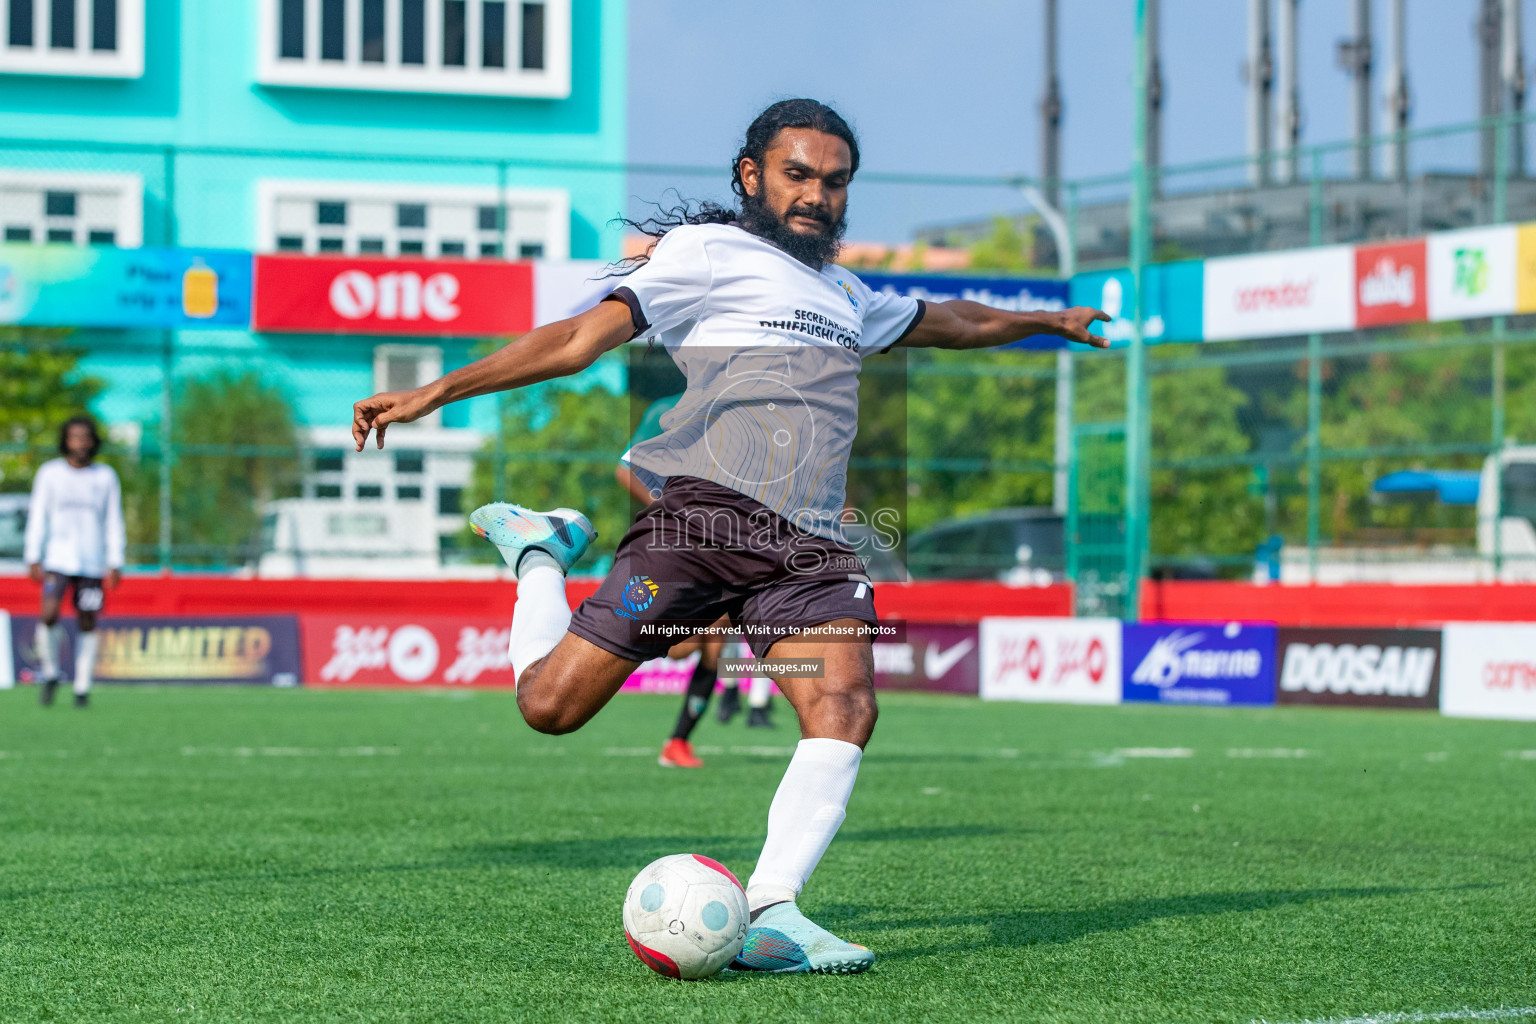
(75, 543)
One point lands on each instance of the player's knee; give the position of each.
(87, 621)
(860, 708)
(50, 619)
(544, 712)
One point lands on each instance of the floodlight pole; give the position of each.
(1066, 265)
(1138, 434)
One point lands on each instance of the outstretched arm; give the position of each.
(962, 324)
(544, 353)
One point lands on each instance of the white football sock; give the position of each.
(541, 615)
(49, 641)
(85, 661)
(806, 812)
(761, 692)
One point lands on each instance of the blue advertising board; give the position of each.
(1200, 663)
(1174, 309)
(1019, 294)
(79, 286)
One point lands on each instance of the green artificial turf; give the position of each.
(265, 855)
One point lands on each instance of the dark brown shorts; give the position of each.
(701, 551)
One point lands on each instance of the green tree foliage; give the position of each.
(40, 388)
(560, 443)
(1006, 248)
(235, 440)
(980, 432)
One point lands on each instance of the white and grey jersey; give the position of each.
(75, 519)
(772, 351)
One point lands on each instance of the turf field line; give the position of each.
(1522, 755)
(1278, 752)
(1170, 752)
(1500, 1013)
(289, 751)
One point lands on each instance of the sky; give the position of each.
(953, 87)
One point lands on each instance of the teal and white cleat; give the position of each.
(783, 941)
(563, 533)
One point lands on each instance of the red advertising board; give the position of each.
(396, 650)
(1391, 284)
(339, 295)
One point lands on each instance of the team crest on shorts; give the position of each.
(638, 594)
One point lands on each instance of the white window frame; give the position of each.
(127, 61)
(129, 228)
(553, 81)
(555, 202)
(429, 365)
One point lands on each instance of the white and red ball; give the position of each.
(685, 916)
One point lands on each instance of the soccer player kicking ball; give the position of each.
(75, 542)
(751, 466)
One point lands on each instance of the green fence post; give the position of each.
(1315, 391)
(1501, 159)
(1137, 429)
(1314, 451)
(167, 379)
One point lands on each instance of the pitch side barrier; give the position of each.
(1305, 650)
(1466, 669)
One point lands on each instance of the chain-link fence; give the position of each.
(1267, 457)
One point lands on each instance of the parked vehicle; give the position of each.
(1016, 545)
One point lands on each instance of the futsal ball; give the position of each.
(685, 916)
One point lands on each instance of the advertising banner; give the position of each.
(1525, 268)
(442, 298)
(99, 286)
(1200, 663)
(7, 666)
(390, 650)
(1018, 294)
(1065, 661)
(935, 656)
(1297, 292)
(1391, 284)
(1390, 668)
(1490, 670)
(1173, 308)
(1472, 272)
(183, 649)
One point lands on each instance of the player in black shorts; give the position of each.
(752, 468)
(74, 546)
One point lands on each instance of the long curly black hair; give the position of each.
(765, 127)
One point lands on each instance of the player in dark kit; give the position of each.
(751, 466)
